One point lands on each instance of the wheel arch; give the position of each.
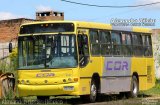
(136, 75)
(96, 77)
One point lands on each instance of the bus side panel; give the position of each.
(113, 85)
(145, 69)
(84, 87)
(142, 82)
(139, 66)
(150, 73)
(116, 75)
(94, 66)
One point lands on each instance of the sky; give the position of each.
(10, 9)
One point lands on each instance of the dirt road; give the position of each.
(106, 100)
(113, 100)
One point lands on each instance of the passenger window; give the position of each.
(95, 42)
(126, 44)
(137, 44)
(105, 39)
(116, 43)
(147, 45)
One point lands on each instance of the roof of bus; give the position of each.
(83, 24)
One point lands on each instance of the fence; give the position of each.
(6, 64)
(156, 50)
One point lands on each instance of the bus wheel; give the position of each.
(134, 87)
(93, 93)
(42, 98)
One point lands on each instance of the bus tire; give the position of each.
(134, 87)
(93, 93)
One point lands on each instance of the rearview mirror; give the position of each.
(10, 47)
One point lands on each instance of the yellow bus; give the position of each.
(83, 59)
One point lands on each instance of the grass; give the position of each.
(155, 91)
(68, 100)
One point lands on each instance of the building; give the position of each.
(9, 28)
(156, 50)
(49, 15)
(8, 31)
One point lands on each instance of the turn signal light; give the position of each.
(75, 79)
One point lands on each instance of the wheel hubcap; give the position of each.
(93, 90)
(135, 88)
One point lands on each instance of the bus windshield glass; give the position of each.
(47, 51)
(47, 28)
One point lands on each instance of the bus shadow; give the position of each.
(144, 96)
(77, 100)
(102, 98)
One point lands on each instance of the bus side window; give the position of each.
(147, 45)
(105, 39)
(95, 42)
(116, 43)
(126, 44)
(137, 44)
(83, 50)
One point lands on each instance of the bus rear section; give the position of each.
(143, 69)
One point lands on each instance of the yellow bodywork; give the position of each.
(39, 83)
(145, 69)
(47, 82)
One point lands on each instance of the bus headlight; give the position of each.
(27, 82)
(22, 82)
(18, 82)
(68, 88)
(69, 79)
(64, 80)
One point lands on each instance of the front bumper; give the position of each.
(47, 90)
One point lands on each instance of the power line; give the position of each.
(111, 6)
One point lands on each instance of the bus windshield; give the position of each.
(47, 28)
(47, 51)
